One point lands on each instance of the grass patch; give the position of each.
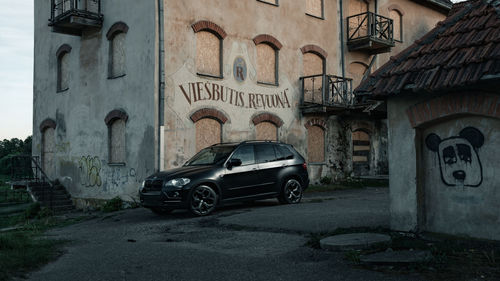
(21, 252)
(25, 249)
(347, 184)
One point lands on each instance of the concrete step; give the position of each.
(353, 241)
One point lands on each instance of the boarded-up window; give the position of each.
(117, 55)
(117, 152)
(266, 131)
(357, 71)
(313, 65)
(63, 72)
(208, 132)
(358, 26)
(360, 146)
(266, 64)
(315, 144)
(208, 54)
(48, 145)
(314, 8)
(398, 24)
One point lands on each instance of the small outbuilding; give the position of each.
(443, 108)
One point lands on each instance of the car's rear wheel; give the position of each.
(161, 210)
(291, 193)
(203, 200)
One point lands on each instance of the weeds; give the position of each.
(113, 205)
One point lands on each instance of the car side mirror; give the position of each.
(233, 163)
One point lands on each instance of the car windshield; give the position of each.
(211, 155)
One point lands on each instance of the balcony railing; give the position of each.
(371, 32)
(74, 16)
(326, 90)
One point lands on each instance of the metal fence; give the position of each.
(63, 7)
(370, 25)
(327, 90)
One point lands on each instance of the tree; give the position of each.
(12, 147)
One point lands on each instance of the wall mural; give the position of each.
(459, 161)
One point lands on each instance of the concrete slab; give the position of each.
(353, 241)
(396, 257)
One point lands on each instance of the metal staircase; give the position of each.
(27, 171)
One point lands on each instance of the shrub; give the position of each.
(325, 180)
(113, 205)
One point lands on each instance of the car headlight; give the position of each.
(180, 182)
(143, 184)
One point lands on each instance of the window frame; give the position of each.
(62, 51)
(221, 58)
(276, 66)
(400, 12)
(115, 29)
(109, 120)
(322, 17)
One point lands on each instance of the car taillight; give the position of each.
(304, 165)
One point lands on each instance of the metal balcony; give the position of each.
(75, 16)
(326, 93)
(370, 32)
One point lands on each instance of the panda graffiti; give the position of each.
(459, 162)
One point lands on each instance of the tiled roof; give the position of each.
(461, 50)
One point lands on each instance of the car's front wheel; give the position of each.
(291, 193)
(203, 200)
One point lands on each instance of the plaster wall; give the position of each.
(81, 135)
(288, 23)
(426, 191)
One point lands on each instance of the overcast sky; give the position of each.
(16, 68)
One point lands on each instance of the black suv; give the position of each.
(228, 172)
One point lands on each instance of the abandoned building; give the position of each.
(125, 88)
(443, 107)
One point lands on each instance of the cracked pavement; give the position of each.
(262, 241)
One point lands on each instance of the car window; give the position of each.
(265, 153)
(283, 152)
(245, 154)
(210, 155)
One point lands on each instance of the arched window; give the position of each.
(315, 8)
(208, 127)
(315, 144)
(356, 71)
(396, 14)
(313, 63)
(266, 126)
(116, 121)
(209, 39)
(267, 59)
(117, 60)
(47, 128)
(63, 67)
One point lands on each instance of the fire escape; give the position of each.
(333, 95)
(75, 16)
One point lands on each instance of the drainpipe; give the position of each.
(161, 80)
(342, 52)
